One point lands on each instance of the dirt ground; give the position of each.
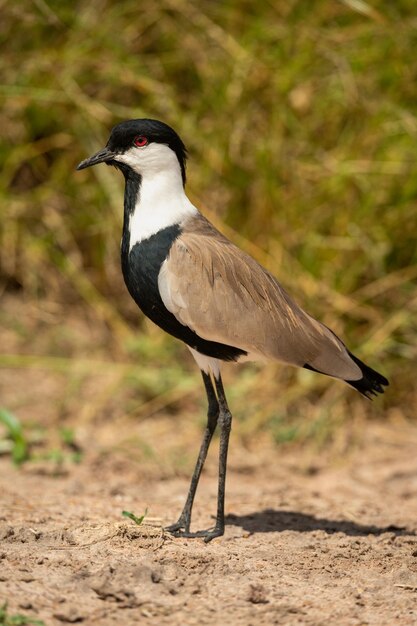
(307, 541)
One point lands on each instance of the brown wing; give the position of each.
(224, 295)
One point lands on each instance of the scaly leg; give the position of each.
(225, 425)
(218, 412)
(184, 520)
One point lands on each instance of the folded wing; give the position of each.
(224, 295)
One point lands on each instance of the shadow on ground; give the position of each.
(270, 520)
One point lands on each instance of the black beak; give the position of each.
(103, 156)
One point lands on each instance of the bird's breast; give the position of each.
(141, 266)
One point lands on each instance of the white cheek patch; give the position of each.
(131, 158)
(161, 201)
(149, 160)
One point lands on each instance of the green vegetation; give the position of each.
(17, 620)
(301, 123)
(15, 440)
(21, 442)
(134, 518)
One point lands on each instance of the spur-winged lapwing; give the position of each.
(199, 287)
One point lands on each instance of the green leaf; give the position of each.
(20, 448)
(17, 619)
(134, 518)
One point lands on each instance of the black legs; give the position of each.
(218, 413)
(225, 425)
(212, 417)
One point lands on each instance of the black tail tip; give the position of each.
(371, 384)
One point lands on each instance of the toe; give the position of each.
(212, 534)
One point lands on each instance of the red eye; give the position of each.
(140, 141)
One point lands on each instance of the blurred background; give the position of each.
(301, 124)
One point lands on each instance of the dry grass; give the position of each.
(301, 125)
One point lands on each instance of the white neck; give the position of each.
(161, 202)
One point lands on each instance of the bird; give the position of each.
(199, 287)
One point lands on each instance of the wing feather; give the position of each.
(224, 295)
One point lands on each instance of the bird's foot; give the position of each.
(183, 525)
(217, 531)
(207, 535)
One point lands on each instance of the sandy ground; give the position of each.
(307, 542)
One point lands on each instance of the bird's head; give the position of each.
(145, 147)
